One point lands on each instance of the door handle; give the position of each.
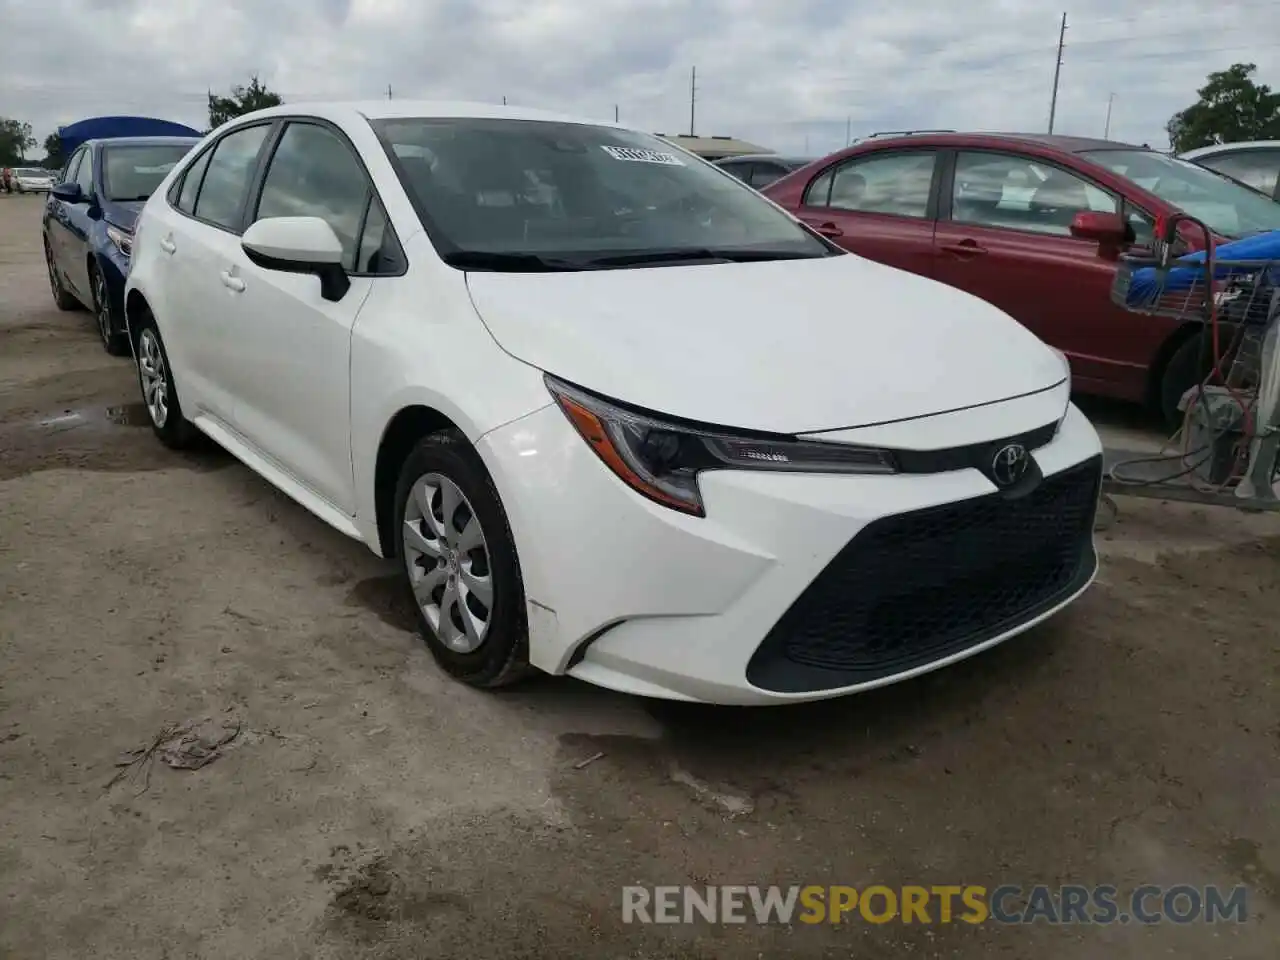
(828, 229)
(232, 283)
(964, 249)
(167, 245)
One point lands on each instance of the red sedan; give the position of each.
(1032, 224)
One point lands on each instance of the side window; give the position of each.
(227, 176)
(379, 251)
(896, 183)
(740, 170)
(1143, 226)
(84, 175)
(186, 201)
(819, 191)
(765, 173)
(73, 165)
(1021, 193)
(314, 173)
(1256, 168)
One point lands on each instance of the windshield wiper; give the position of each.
(509, 262)
(696, 254)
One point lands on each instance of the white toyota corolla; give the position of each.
(613, 413)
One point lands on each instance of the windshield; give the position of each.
(133, 171)
(1226, 207)
(31, 172)
(529, 195)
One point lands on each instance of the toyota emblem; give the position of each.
(1009, 465)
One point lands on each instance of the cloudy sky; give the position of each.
(792, 75)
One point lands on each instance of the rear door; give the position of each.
(1004, 234)
(880, 205)
(202, 237)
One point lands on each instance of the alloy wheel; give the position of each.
(154, 376)
(447, 559)
(102, 305)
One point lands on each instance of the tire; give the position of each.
(1184, 370)
(163, 406)
(113, 340)
(500, 655)
(61, 297)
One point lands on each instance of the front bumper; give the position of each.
(793, 587)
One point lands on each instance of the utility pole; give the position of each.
(848, 131)
(693, 98)
(1106, 131)
(615, 113)
(1057, 70)
(504, 99)
(388, 91)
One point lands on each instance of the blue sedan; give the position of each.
(88, 223)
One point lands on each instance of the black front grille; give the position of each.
(917, 587)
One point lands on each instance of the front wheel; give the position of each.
(458, 558)
(113, 341)
(155, 378)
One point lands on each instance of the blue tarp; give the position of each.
(103, 128)
(1146, 285)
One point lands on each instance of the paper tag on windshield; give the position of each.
(640, 155)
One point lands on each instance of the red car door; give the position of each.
(879, 205)
(1004, 234)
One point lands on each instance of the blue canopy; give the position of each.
(104, 128)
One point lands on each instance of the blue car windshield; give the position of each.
(133, 171)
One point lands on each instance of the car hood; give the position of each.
(786, 346)
(123, 213)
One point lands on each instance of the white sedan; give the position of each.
(613, 414)
(32, 180)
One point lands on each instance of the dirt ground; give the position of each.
(369, 808)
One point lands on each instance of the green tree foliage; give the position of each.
(53, 158)
(15, 141)
(243, 100)
(1231, 108)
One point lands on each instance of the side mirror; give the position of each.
(68, 192)
(299, 245)
(1104, 229)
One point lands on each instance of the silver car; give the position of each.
(1255, 164)
(32, 180)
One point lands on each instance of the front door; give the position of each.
(878, 205)
(1004, 234)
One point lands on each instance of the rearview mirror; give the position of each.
(1105, 229)
(299, 245)
(68, 192)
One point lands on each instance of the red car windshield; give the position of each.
(1226, 207)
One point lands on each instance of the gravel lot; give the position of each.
(370, 808)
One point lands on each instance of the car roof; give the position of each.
(1237, 146)
(143, 141)
(1060, 142)
(784, 158)
(349, 111)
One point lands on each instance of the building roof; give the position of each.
(713, 146)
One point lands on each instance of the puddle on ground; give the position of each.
(123, 415)
(385, 598)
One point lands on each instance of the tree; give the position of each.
(53, 158)
(15, 141)
(243, 100)
(1231, 108)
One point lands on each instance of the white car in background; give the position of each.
(614, 414)
(1255, 164)
(32, 180)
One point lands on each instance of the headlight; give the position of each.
(123, 240)
(661, 460)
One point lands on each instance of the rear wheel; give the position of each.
(63, 299)
(155, 377)
(1185, 369)
(459, 562)
(113, 341)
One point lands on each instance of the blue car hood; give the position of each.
(122, 213)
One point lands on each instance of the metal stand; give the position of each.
(1153, 484)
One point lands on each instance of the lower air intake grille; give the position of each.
(917, 587)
